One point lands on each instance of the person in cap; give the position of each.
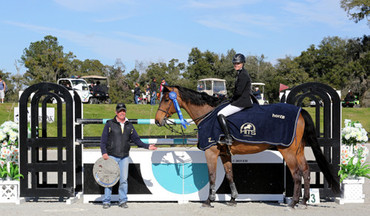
(257, 93)
(241, 97)
(115, 143)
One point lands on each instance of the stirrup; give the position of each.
(227, 141)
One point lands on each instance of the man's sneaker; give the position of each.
(123, 205)
(106, 206)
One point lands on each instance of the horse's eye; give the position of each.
(166, 100)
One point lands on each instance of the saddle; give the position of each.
(273, 124)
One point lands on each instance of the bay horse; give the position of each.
(198, 105)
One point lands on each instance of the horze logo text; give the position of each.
(278, 116)
(248, 129)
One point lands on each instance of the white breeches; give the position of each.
(229, 110)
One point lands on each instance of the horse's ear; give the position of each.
(166, 89)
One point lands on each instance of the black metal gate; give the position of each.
(327, 129)
(45, 175)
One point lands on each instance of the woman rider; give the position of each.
(241, 97)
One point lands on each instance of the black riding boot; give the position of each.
(228, 139)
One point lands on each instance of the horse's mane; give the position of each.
(198, 98)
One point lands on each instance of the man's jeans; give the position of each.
(152, 99)
(122, 190)
(136, 99)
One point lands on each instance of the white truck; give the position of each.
(79, 85)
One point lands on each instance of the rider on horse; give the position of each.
(242, 97)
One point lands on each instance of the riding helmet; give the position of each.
(238, 58)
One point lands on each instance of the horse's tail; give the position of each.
(310, 137)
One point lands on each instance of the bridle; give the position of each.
(167, 120)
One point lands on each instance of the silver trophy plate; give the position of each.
(106, 172)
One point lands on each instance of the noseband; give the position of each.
(168, 115)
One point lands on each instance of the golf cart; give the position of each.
(258, 90)
(99, 87)
(212, 86)
(351, 103)
(79, 85)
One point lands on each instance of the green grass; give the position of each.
(92, 111)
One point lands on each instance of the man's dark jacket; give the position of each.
(137, 91)
(242, 92)
(115, 143)
(153, 87)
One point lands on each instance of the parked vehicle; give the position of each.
(99, 89)
(77, 84)
(212, 86)
(258, 90)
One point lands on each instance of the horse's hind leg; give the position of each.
(226, 160)
(305, 170)
(306, 180)
(292, 164)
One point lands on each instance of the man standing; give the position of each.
(2, 89)
(115, 144)
(153, 91)
(136, 93)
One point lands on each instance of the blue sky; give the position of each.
(159, 30)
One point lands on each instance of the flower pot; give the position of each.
(9, 191)
(352, 191)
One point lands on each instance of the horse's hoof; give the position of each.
(231, 203)
(289, 208)
(302, 206)
(207, 205)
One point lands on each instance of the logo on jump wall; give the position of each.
(248, 129)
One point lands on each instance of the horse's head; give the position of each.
(166, 107)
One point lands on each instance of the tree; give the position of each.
(119, 90)
(45, 61)
(200, 65)
(87, 67)
(356, 9)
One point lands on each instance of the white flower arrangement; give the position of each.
(353, 133)
(9, 151)
(353, 151)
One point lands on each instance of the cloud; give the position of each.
(91, 5)
(128, 47)
(327, 12)
(241, 23)
(212, 4)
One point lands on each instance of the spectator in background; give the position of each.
(91, 87)
(97, 88)
(163, 83)
(136, 93)
(349, 96)
(147, 92)
(257, 93)
(2, 89)
(153, 91)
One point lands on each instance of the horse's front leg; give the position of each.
(211, 157)
(226, 160)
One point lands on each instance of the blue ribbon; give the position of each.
(173, 97)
